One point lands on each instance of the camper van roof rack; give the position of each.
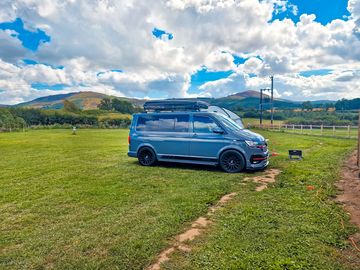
(174, 105)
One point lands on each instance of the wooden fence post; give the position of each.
(348, 131)
(333, 130)
(294, 128)
(321, 129)
(301, 128)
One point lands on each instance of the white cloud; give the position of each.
(102, 35)
(288, 93)
(252, 66)
(218, 61)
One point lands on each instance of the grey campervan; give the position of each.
(186, 132)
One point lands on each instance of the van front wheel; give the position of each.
(232, 161)
(146, 156)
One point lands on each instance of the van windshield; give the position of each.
(229, 123)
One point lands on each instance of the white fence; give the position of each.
(350, 132)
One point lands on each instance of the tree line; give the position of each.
(340, 105)
(348, 104)
(306, 117)
(15, 118)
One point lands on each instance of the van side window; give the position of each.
(163, 123)
(182, 123)
(204, 124)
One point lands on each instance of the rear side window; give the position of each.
(204, 124)
(163, 123)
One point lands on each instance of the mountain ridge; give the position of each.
(90, 100)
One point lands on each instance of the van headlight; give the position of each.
(252, 143)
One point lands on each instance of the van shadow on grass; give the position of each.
(196, 167)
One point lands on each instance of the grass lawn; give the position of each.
(327, 131)
(316, 130)
(78, 202)
(255, 121)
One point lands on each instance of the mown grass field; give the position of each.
(255, 121)
(340, 131)
(78, 202)
(327, 131)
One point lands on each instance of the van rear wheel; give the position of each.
(146, 156)
(232, 161)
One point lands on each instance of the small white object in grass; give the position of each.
(74, 130)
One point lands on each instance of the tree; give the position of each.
(344, 104)
(329, 106)
(122, 106)
(70, 106)
(9, 121)
(105, 104)
(307, 106)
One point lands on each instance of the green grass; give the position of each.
(316, 130)
(255, 121)
(286, 226)
(78, 202)
(327, 131)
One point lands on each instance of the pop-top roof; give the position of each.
(175, 105)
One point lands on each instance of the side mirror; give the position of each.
(218, 130)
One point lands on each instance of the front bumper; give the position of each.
(258, 161)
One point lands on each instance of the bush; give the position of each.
(114, 123)
(9, 121)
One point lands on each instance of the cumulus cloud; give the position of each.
(218, 61)
(89, 38)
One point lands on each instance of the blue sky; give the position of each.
(325, 10)
(158, 33)
(29, 39)
(46, 86)
(181, 49)
(203, 75)
(315, 72)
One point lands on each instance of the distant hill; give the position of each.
(90, 100)
(251, 99)
(84, 100)
(245, 94)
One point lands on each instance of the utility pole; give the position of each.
(272, 99)
(261, 106)
(262, 103)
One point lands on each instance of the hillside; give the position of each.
(84, 100)
(245, 94)
(250, 99)
(90, 100)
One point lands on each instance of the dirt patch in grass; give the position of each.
(198, 226)
(350, 189)
(264, 180)
(349, 185)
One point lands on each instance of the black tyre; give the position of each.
(146, 156)
(232, 161)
